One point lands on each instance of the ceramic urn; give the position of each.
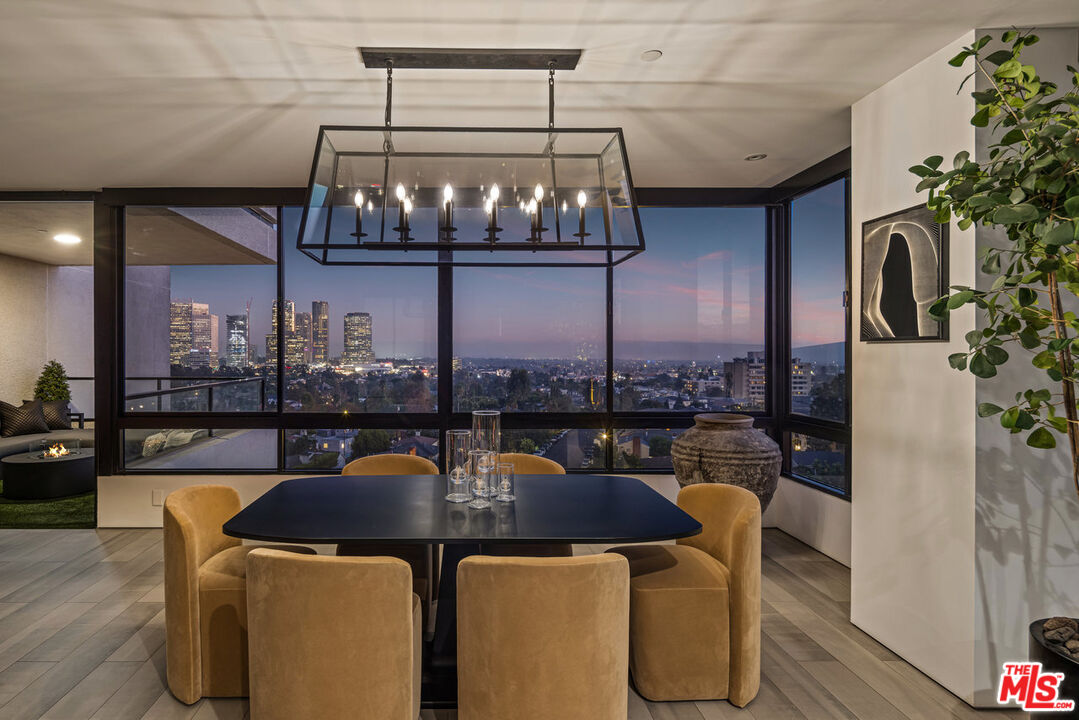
(724, 448)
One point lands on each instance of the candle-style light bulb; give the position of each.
(447, 203)
(358, 200)
(408, 206)
(488, 205)
(402, 216)
(494, 193)
(532, 207)
(581, 200)
(538, 192)
(370, 206)
(565, 205)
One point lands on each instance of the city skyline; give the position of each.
(702, 286)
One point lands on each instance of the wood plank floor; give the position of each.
(82, 637)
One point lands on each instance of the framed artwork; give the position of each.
(904, 271)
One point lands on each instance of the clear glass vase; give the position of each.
(487, 430)
(458, 446)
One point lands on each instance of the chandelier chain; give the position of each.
(550, 95)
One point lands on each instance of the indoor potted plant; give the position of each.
(1029, 188)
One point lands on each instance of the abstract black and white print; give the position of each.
(904, 271)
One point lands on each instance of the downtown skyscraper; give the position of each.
(238, 339)
(192, 331)
(358, 347)
(320, 332)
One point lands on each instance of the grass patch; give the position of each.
(76, 511)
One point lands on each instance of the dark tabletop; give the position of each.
(412, 508)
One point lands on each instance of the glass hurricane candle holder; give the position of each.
(459, 444)
(506, 478)
(482, 479)
(487, 430)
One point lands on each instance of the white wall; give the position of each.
(48, 316)
(23, 339)
(818, 519)
(913, 464)
(1026, 512)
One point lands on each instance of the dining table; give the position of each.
(395, 509)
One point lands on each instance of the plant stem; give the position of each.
(1064, 357)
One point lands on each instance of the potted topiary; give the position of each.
(1029, 188)
(52, 384)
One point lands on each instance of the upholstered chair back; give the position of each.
(390, 464)
(193, 517)
(541, 638)
(731, 520)
(332, 637)
(524, 464)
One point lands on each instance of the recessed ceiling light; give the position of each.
(651, 55)
(67, 239)
(756, 156)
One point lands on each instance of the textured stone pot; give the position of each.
(1048, 652)
(724, 448)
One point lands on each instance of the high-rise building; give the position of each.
(303, 333)
(201, 335)
(238, 339)
(748, 377)
(179, 331)
(320, 331)
(358, 349)
(290, 327)
(191, 331)
(215, 341)
(801, 378)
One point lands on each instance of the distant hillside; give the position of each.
(828, 354)
(687, 351)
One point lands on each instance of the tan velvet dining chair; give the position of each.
(695, 607)
(332, 638)
(524, 464)
(205, 594)
(423, 559)
(542, 638)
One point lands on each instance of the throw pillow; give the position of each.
(56, 414)
(27, 419)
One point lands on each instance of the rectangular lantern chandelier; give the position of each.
(470, 196)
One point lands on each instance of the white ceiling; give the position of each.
(155, 235)
(115, 93)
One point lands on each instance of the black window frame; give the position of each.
(776, 419)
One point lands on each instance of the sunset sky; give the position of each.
(701, 279)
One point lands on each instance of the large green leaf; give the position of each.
(1010, 214)
(960, 298)
(989, 409)
(1060, 235)
(1009, 69)
(981, 367)
(1042, 438)
(1044, 360)
(1071, 206)
(996, 355)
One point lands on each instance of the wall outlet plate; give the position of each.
(157, 497)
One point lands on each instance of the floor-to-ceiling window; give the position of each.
(597, 368)
(818, 324)
(200, 288)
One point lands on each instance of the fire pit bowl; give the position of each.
(36, 475)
